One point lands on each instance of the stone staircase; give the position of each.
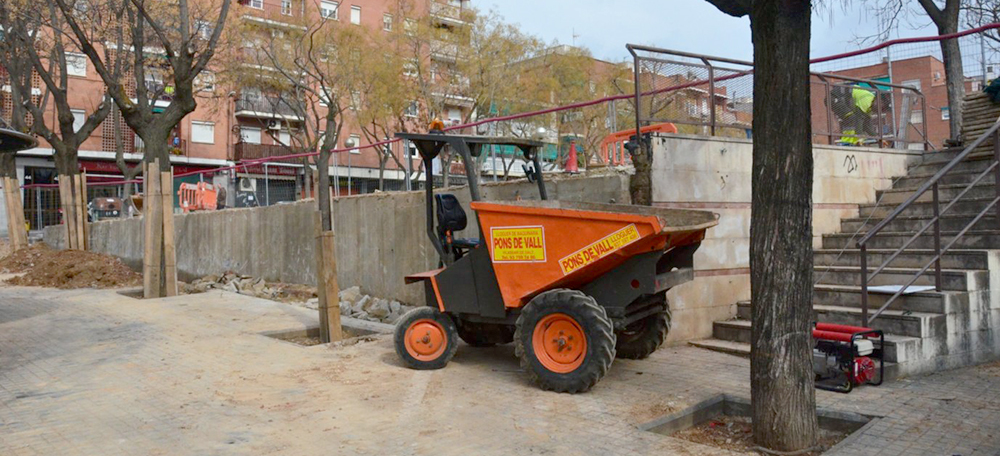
(925, 331)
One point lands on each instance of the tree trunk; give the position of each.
(781, 255)
(640, 186)
(952, 55)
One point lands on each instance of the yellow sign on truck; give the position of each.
(518, 244)
(599, 249)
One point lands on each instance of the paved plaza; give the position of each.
(97, 373)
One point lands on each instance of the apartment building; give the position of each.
(232, 124)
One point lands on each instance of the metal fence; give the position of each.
(709, 95)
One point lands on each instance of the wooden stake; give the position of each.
(147, 230)
(66, 197)
(86, 225)
(154, 240)
(326, 283)
(169, 250)
(81, 211)
(8, 198)
(20, 231)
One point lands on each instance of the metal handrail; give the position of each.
(930, 184)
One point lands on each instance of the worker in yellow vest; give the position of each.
(853, 122)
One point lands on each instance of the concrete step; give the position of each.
(946, 193)
(916, 223)
(978, 160)
(973, 239)
(964, 206)
(724, 346)
(945, 156)
(945, 302)
(898, 322)
(732, 330)
(953, 259)
(914, 180)
(736, 341)
(743, 350)
(951, 279)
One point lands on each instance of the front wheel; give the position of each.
(565, 341)
(425, 338)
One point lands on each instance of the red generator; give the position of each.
(844, 356)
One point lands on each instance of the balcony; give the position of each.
(248, 151)
(444, 51)
(264, 107)
(447, 13)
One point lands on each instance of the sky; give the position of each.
(606, 26)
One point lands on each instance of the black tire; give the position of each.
(426, 315)
(642, 338)
(597, 330)
(484, 334)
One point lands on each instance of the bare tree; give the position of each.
(37, 29)
(946, 18)
(781, 255)
(17, 73)
(312, 66)
(149, 53)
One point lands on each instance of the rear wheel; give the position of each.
(565, 341)
(484, 334)
(640, 339)
(425, 338)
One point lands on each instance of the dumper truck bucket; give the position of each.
(539, 245)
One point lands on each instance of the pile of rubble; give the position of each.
(355, 304)
(233, 283)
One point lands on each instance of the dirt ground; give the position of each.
(45, 267)
(4, 248)
(735, 433)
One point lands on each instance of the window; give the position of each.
(204, 29)
(328, 9)
(259, 4)
(387, 22)
(355, 99)
(357, 142)
(915, 83)
(284, 138)
(205, 82)
(917, 117)
(79, 117)
(945, 114)
(76, 64)
(81, 6)
(202, 132)
(286, 7)
(410, 68)
(355, 15)
(454, 116)
(411, 150)
(250, 135)
(410, 26)
(412, 110)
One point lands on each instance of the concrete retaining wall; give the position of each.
(714, 174)
(380, 237)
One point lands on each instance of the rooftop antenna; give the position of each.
(575, 36)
